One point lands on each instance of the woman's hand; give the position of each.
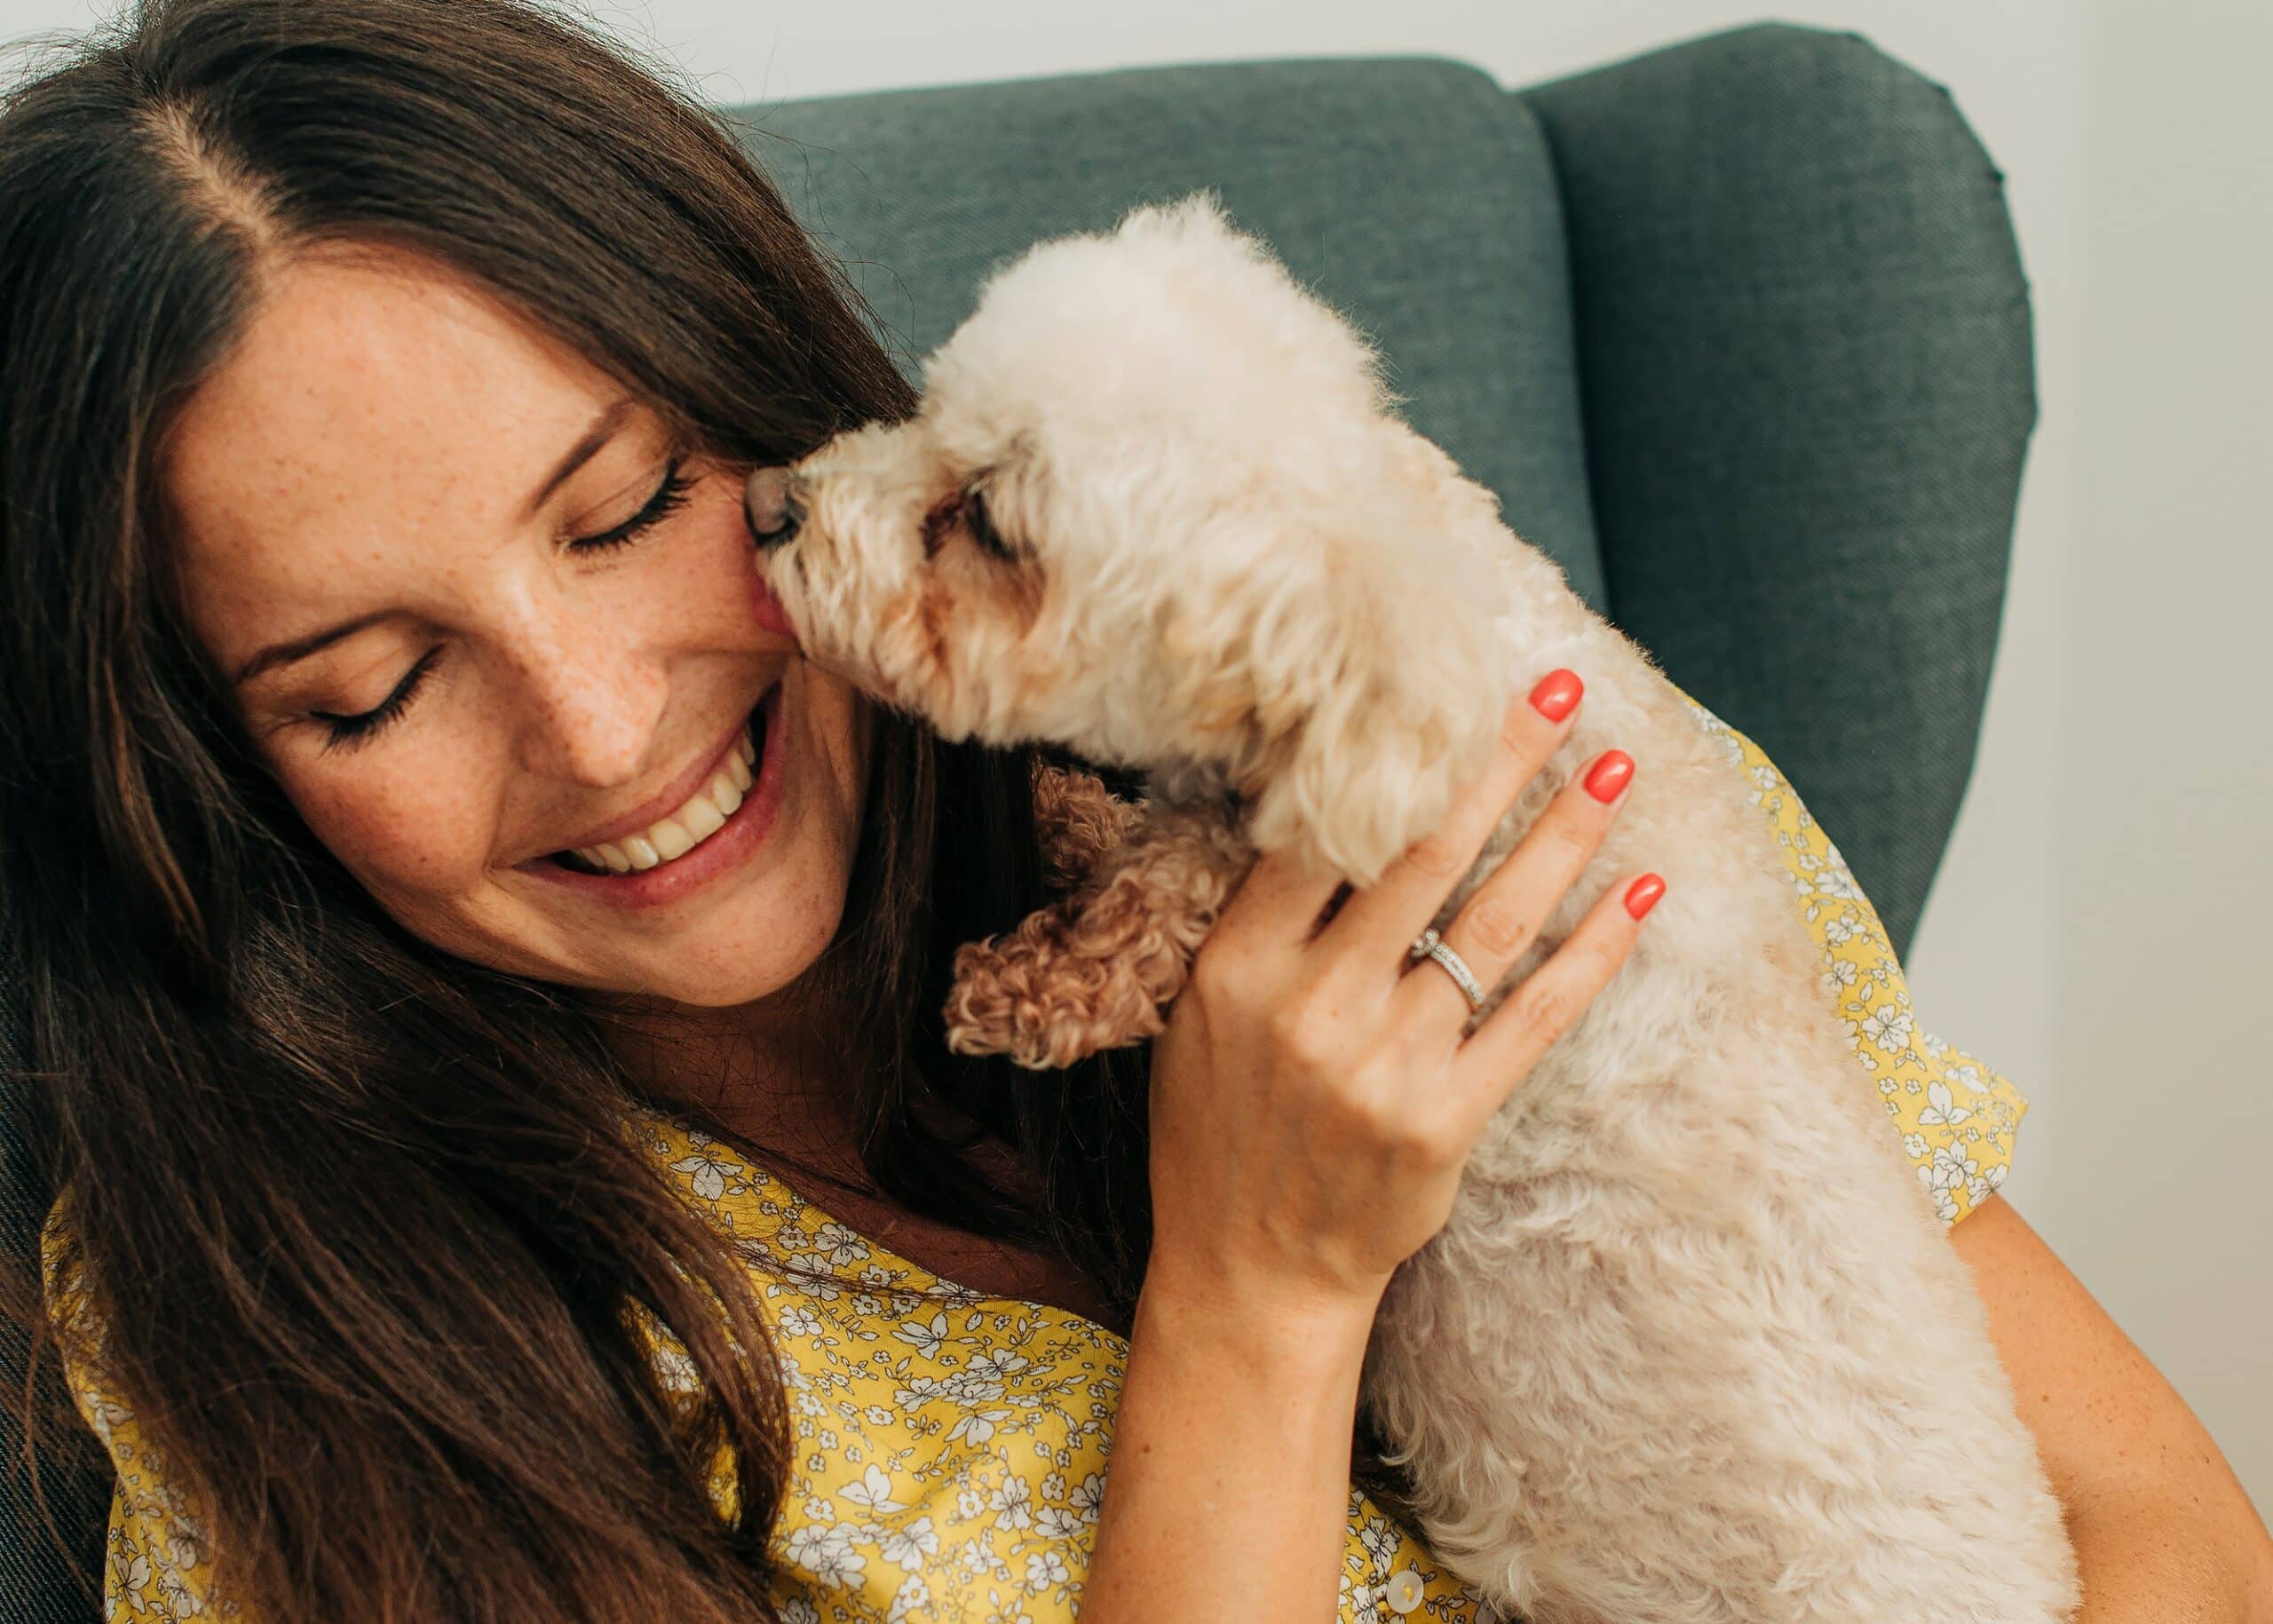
(1313, 1104)
(1313, 1100)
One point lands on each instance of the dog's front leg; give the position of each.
(1079, 822)
(1094, 971)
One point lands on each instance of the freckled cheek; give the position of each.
(409, 834)
(704, 590)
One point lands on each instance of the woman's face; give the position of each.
(413, 539)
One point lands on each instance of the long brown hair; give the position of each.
(357, 1216)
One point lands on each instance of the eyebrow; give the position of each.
(587, 446)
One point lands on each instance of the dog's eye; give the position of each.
(981, 525)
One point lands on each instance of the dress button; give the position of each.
(1404, 1591)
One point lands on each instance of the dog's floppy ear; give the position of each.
(1353, 680)
(1391, 725)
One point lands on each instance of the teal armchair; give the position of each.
(1736, 329)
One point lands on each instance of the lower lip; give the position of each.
(726, 850)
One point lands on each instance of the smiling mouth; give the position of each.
(688, 825)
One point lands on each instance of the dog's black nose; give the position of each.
(771, 508)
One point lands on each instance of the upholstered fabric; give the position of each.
(1804, 352)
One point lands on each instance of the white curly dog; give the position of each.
(1694, 1347)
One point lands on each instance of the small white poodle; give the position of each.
(1693, 1347)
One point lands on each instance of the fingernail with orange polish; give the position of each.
(1557, 694)
(1642, 895)
(1611, 775)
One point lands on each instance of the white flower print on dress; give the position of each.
(1045, 1568)
(1087, 1496)
(917, 1392)
(839, 1246)
(174, 1592)
(1951, 1167)
(1942, 1107)
(925, 1336)
(1012, 1501)
(707, 1173)
(827, 1553)
(1845, 926)
(1833, 879)
(873, 1494)
(1981, 1186)
(1888, 1028)
(909, 1544)
(1379, 1539)
(913, 1593)
(974, 1383)
(977, 1426)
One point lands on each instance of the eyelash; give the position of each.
(346, 733)
(667, 501)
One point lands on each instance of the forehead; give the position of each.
(373, 408)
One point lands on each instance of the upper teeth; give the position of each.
(704, 812)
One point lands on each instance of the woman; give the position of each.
(384, 378)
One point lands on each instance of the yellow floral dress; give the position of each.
(954, 1445)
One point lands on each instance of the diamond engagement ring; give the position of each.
(1429, 944)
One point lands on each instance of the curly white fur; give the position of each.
(1693, 1347)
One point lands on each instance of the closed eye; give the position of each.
(670, 497)
(346, 733)
(980, 523)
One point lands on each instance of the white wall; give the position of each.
(2099, 931)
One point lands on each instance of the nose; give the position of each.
(595, 702)
(772, 506)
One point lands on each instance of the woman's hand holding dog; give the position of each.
(1313, 1098)
(1313, 1102)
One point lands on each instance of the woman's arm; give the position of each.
(1228, 1493)
(2162, 1529)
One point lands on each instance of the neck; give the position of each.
(775, 1074)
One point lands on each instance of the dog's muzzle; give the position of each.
(771, 506)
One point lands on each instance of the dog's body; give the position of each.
(1693, 1347)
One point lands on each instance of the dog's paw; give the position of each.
(1042, 1009)
(1081, 822)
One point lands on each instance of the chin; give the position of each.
(748, 944)
(740, 966)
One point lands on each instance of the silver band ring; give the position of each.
(1429, 944)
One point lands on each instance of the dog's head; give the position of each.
(1155, 507)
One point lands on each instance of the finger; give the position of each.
(1504, 916)
(1408, 894)
(1504, 1048)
